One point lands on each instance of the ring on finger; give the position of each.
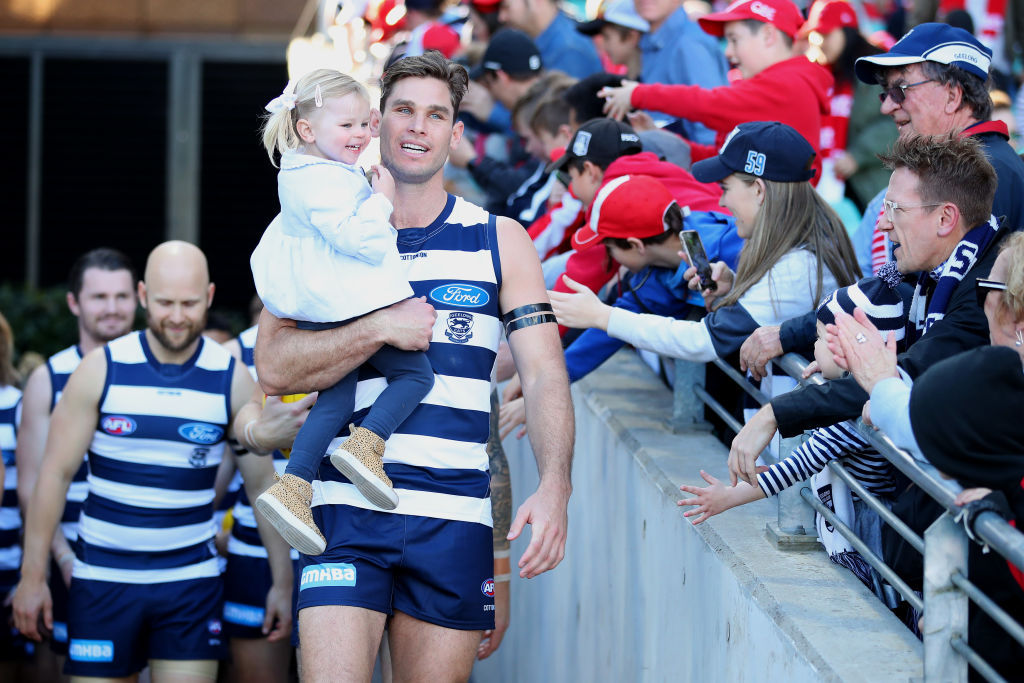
(861, 339)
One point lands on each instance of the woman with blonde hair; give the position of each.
(796, 253)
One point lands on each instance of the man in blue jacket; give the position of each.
(638, 221)
(561, 46)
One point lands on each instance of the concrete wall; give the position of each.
(643, 595)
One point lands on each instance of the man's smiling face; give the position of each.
(417, 129)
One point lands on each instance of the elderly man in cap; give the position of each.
(934, 82)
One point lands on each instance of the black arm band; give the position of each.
(525, 310)
(529, 321)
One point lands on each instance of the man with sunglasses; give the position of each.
(934, 82)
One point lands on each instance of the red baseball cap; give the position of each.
(442, 38)
(782, 14)
(485, 6)
(627, 206)
(828, 15)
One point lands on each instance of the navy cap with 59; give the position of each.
(930, 42)
(766, 149)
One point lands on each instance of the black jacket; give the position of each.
(963, 327)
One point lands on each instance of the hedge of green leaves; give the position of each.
(39, 318)
(41, 321)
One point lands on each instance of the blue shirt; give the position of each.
(681, 53)
(565, 49)
(662, 291)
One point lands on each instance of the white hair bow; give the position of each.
(286, 100)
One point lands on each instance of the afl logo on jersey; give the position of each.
(200, 432)
(460, 294)
(487, 588)
(118, 425)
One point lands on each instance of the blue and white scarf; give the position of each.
(935, 289)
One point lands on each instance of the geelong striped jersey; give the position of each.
(828, 443)
(60, 366)
(437, 458)
(153, 459)
(10, 516)
(245, 538)
(247, 342)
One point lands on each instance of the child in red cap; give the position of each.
(776, 86)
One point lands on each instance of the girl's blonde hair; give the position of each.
(793, 216)
(279, 133)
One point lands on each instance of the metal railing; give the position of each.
(947, 590)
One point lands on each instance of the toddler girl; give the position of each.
(329, 257)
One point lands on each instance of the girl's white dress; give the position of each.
(330, 255)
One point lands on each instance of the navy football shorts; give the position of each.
(246, 583)
(435, 570)
(116, 628)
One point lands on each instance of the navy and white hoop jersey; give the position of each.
(247, 342)
(60, 366)
(10, 515)
(148, 517)
(437, 458)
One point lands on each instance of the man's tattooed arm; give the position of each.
(501, 485)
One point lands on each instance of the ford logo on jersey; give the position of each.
(467, 296)
(118, 425)
(200, 432)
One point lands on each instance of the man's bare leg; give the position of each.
(427, 653)
(255, 660)
(326, 658)
(183, 670)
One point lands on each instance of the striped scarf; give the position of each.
(935, 289)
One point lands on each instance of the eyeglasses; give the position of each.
(982, 287)
(898, 93)
(892, 207)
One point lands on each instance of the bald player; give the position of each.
(153, 409)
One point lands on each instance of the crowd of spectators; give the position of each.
(779, 248)
(879, 238)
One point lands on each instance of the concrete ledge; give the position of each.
(643, 595)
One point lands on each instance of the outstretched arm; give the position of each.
(294, 361)
(549, 414)
(717, 497)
